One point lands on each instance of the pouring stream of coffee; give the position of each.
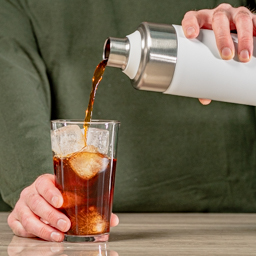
(97, 76)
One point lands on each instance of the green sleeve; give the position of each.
(25, 103)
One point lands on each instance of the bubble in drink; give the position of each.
(67, 139)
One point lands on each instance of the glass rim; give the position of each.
(80, 121)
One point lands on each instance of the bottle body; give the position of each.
(170, 63)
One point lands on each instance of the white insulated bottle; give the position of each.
(158, 57)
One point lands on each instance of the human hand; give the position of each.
(35, 213)
(223, 19)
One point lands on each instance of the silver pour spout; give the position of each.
(116, 50)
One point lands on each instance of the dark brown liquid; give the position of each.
(87, 201)
(97, 76)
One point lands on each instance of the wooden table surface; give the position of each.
(151, 234)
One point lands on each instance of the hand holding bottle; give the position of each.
(222, 20)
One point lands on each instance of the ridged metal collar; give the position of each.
(158, 59)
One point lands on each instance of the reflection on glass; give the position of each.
(33, 246)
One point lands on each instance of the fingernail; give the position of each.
(55, 236)
(244, 55)
(62, 225)
(226, 53)
(55, 201)
(190, 31)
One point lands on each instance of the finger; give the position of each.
(254, 24)
(194, 20)
(221, 28)
(205, 101)
(114, 220)
(30, 226)
(45, 185)
(49, 214)
(33, 225)
(244, 26)
(17, 227)
(190, 25)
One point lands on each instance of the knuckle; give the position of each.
(25, 192)
(222, 11)
(43, 232)
(25, 220)
(189, 14)
(223, 6)
(245, 39)
(40, 181)
(243, 9)
(43, 186)
(222, 41)
(51, 216)
(220, 14)
(35, 202)
(242, 15)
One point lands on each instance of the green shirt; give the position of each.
(174, 154)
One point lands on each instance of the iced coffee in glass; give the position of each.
(84, 157)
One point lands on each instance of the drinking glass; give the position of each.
(84, 157)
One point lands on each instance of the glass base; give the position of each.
(87, 238)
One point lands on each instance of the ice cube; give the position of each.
(98, 138)
(89, 222)
(71, 199)
(87, 164)
(67, 139)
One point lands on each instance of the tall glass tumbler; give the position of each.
(84, 157)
